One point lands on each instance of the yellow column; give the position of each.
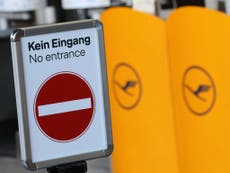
(143, 128)
(199, 51)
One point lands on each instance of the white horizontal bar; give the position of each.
(62, 107)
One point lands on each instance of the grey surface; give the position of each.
(7, 99)
(11, 165)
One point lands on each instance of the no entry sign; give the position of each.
(62, 93)
(64, 106)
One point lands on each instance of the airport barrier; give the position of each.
(198, 47)
(141, 107)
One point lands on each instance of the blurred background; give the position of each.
(23, 13)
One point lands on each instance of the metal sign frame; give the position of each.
(19, 80)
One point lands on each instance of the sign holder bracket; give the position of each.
(77, 167)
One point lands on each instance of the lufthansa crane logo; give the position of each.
(126, 86)
(199, 90)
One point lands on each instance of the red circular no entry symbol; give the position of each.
(64, 106)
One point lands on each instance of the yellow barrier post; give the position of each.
(198, 44)
(140, 95)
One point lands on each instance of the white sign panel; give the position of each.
(147, 6)
(21, 5)
(80, 4)
(62, 96)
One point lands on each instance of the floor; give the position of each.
(11, 165)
